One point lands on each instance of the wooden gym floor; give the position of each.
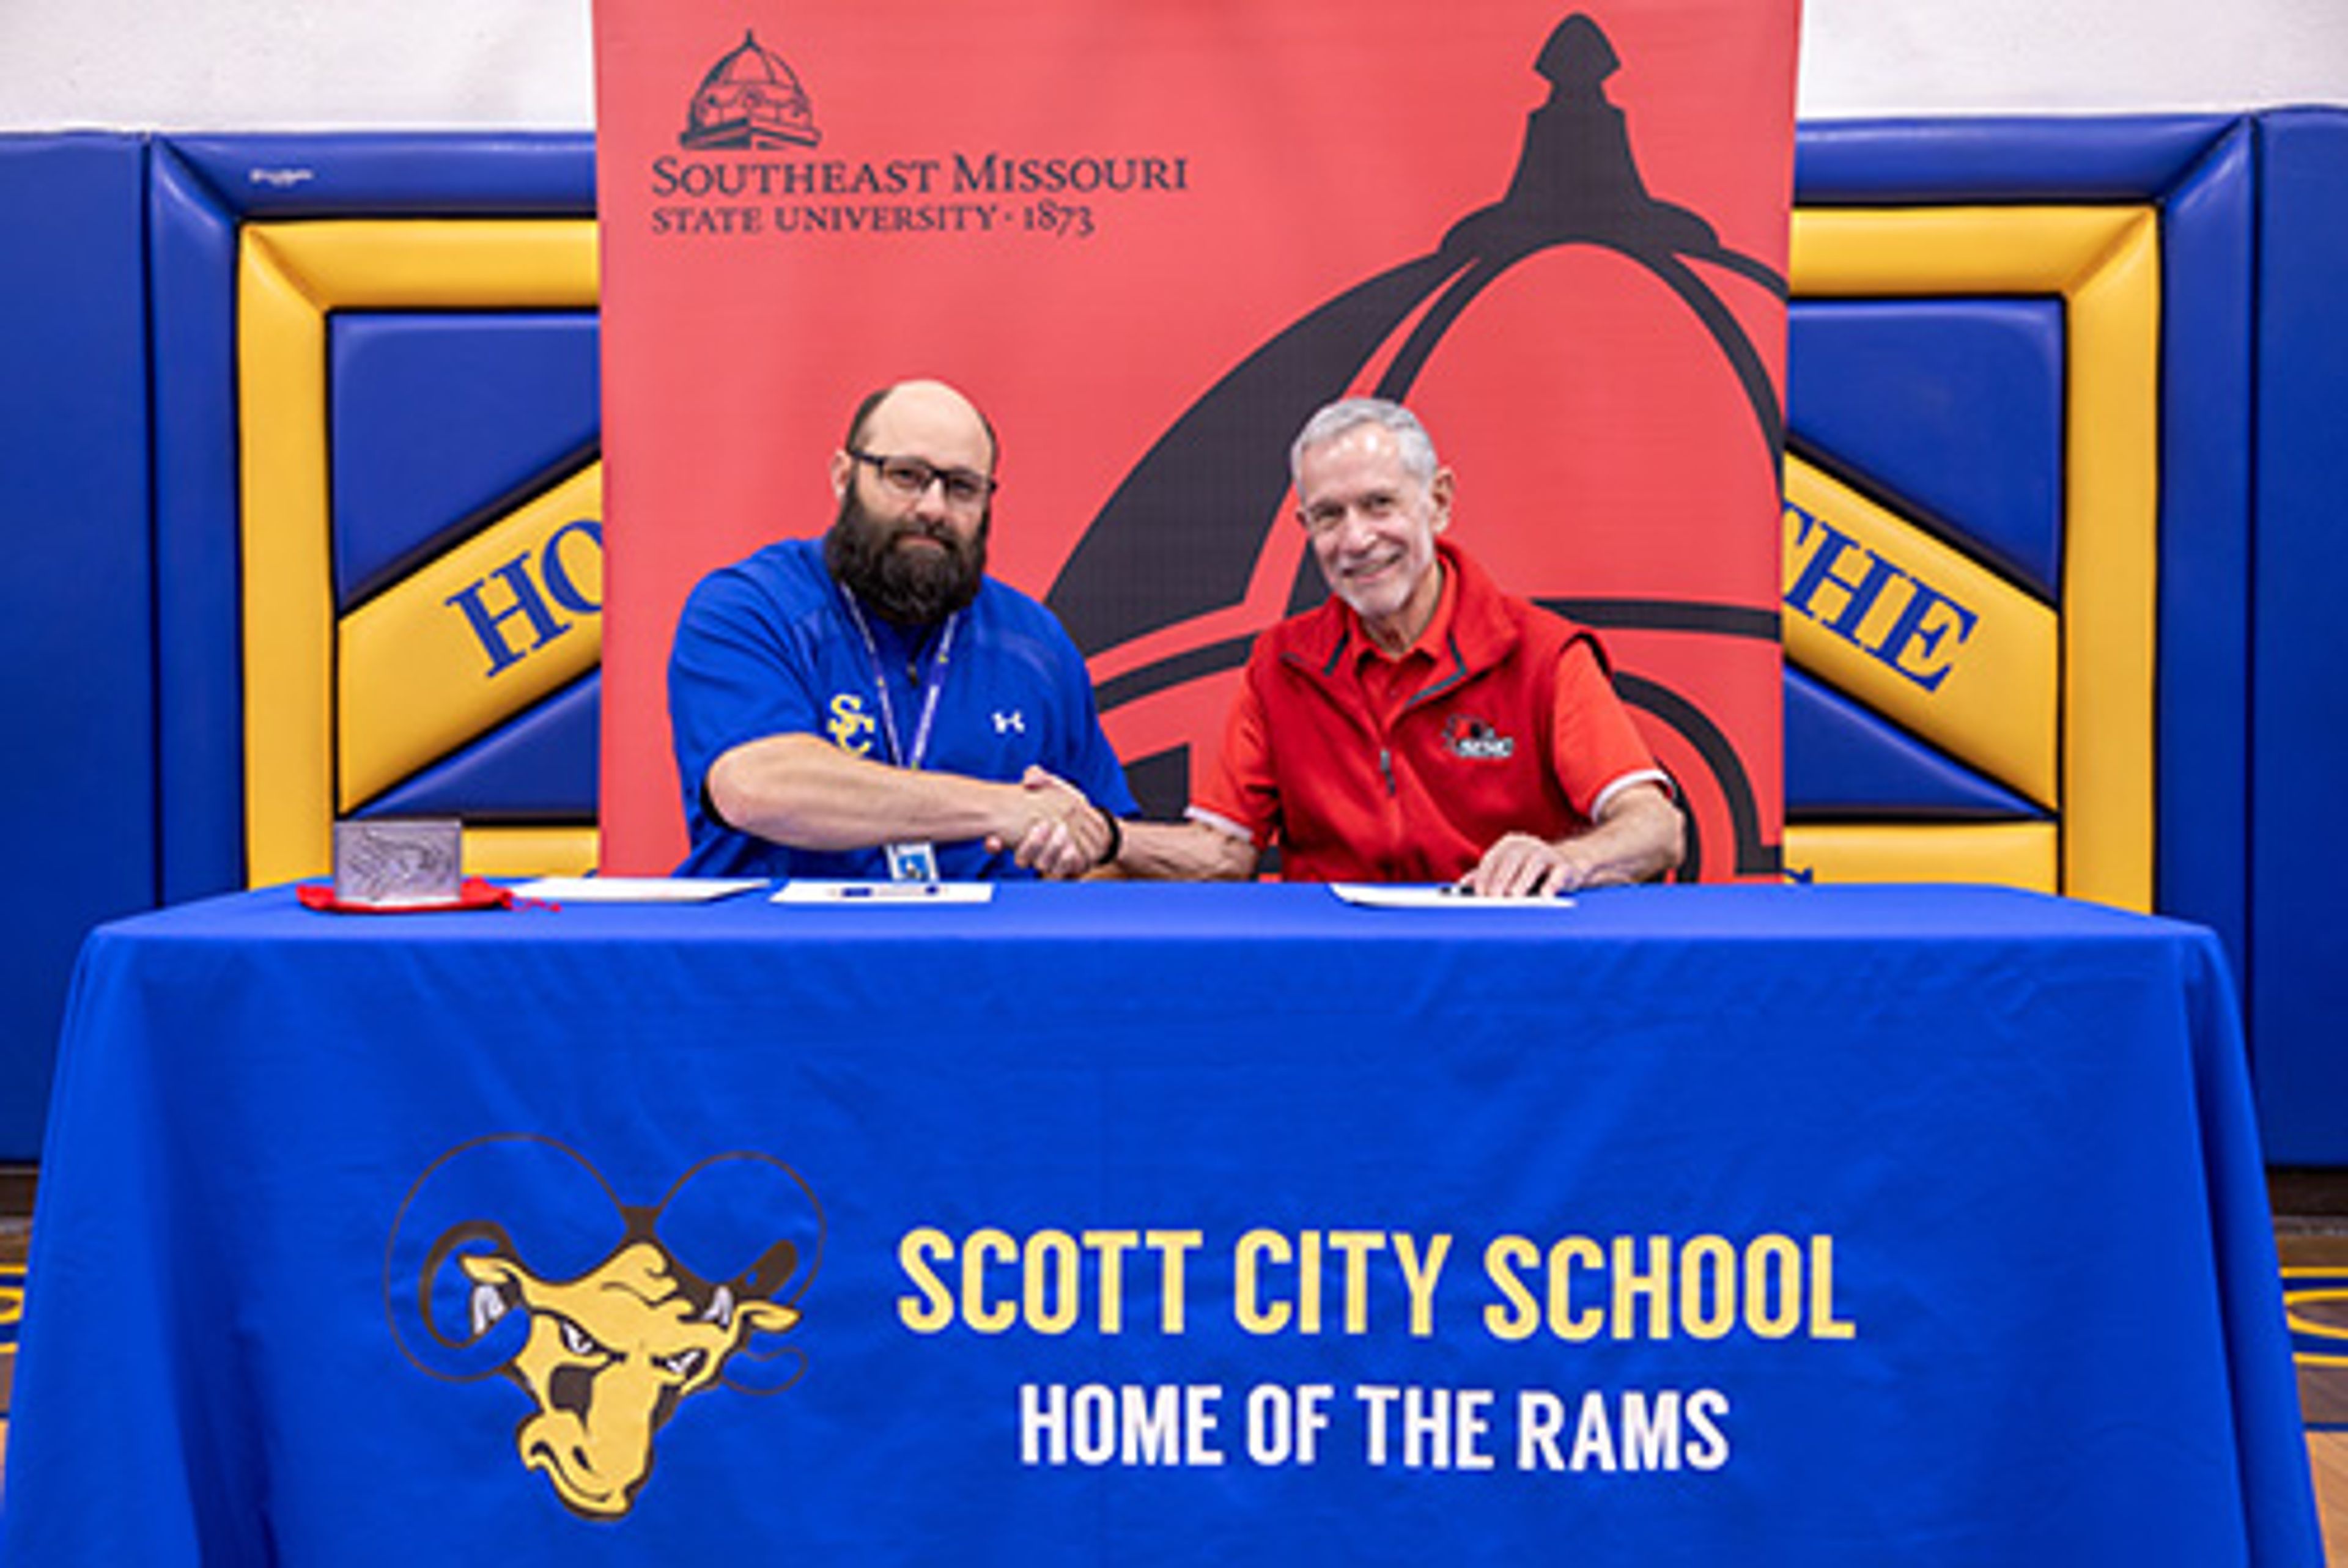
(2311, 1212)
(2311, 1209)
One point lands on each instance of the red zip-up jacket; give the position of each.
(1419, 793)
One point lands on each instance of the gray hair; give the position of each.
(1337, 418)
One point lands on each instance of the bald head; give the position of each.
(925, 409)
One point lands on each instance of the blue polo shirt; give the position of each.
(766, 647)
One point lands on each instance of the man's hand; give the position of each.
(1639, 834)
(1055, 831)
(1521, 866)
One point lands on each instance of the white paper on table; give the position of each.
(1441, 896)
(635, 889)
(896, 894)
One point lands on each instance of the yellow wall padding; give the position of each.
(529, 851)
(1944, 646)
(415, 680)
(290, 277)
(288, 600)
(2002, 853)
(2104, 261)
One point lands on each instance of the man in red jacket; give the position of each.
(1420, 726)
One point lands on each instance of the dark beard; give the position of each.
(910, 588)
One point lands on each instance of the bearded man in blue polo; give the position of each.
(872, 705)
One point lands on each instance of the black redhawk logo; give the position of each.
(510, 1255)
(750, 99)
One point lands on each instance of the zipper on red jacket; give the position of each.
(1386, 766)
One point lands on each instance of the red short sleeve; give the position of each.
(1593, 745)
(1239, 789)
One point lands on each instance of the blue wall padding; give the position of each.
(130, 785)
(442, 421)
(200, 694)
(2299, 714)
(1950, 409)
(1844, 762)
(539, 766)
(202, 188)
(2203, 738)
(2120, 159)
(75, 636)
(377, 175)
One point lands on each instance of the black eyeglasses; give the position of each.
(911, 479)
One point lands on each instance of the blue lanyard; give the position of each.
(935, 684)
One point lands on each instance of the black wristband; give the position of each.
(1116, 838)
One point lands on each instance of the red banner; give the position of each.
(1149, 239)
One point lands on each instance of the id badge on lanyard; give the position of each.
(911, 862)
(907, 862)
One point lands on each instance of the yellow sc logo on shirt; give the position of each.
(849, 726)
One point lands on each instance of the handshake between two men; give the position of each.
(872, 704)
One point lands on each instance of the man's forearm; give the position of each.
(1639, 834)
(1643, 837)
(1184, 852)
(802, 792)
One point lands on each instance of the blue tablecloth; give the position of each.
(1156, 1224)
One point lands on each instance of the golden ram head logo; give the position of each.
(512, 1255)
